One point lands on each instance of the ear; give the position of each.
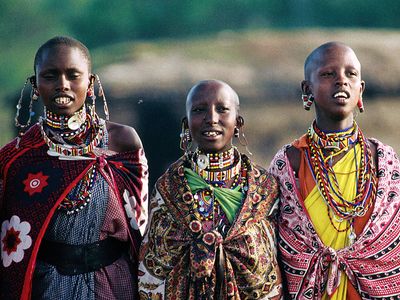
(185, 122)
(32, 80)
(92, 79)
(362, 86)
(239, 121)
(305, 87)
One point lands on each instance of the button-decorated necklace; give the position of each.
(322, 168)
(216, 166)
(221, 169)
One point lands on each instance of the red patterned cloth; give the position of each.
(181, 259)
(371, 263)
(33, 185)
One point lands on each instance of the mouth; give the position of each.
(63, 100)
(341, 95)
(211, 133)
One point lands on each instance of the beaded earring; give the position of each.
(360, 105)
(236, 132)
(103, 96)
(185, 138)
(34, 96)
(307, 101)
(91, 95)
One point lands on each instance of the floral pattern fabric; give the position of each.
(33, 184)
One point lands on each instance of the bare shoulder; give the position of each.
(374, 153)
(293, 155)
(122, 138)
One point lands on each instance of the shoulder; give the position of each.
(122, 138)
(381, 151)
(293, 155)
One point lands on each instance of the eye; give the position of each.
(48, 76)
(74, 75)
(197, 109)
(326, 74)
(353, 73)
(222, 109)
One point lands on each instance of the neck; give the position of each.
(334, 125)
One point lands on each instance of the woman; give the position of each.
(74, 190)
(339, 213)
(211, 234)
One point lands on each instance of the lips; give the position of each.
(341, 95)
(211, 133)
(63, 100)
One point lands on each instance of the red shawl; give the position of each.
(34, 184)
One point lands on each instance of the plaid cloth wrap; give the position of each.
(34, 184)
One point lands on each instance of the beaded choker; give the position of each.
(335, 141)
(217, 166)
(62, 148)
(325, 177)
(62, 122)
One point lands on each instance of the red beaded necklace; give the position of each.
(321, 166)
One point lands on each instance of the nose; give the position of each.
(211, 117)
(63, 83)
(341, 79)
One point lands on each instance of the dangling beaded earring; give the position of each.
(236, 132)
(103, 96)
(91, 95)
(360, 104)
(185, 138)
(34, 97)
(239, 133)
(307, 101)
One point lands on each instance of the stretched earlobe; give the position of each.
(239, 121)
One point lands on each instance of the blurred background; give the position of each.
(148, 54)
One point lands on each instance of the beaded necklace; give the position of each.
(82, 196)
(66, 123)
(205, 206)
(216, 166)
(321, 166)
(65, 143)
(81, 135)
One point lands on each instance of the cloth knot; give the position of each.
(331, 260)
(203, 253)
(229, 200)
(101, 161)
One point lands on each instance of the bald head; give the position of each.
(210, 88)
(317, 56)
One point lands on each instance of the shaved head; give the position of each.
(315, 58)
(205, 87)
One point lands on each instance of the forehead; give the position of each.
(335, 56)
(212, 93)
(61, 56)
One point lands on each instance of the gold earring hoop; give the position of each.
(239, 134)
(243, 140)
(33, 97)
